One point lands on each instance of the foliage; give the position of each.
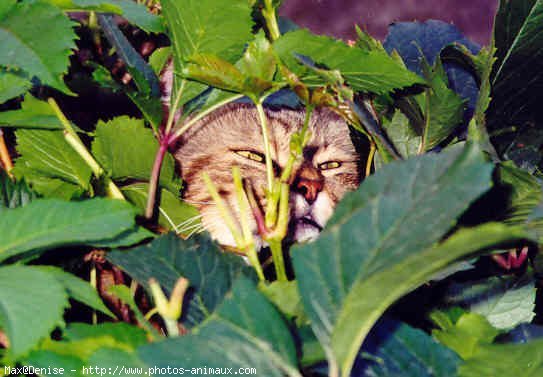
(455, 156)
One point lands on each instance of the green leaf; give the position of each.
(514, 20)
(520, 360)
(135, 13)
(210, 271)
(150, 106)
(123, 293)
(12, 84)
(47, 359)
(42, 50)
(33, 114)
(32, 304)
(402, 135)
(159, 58)
(504, 301)
(524, 192)
(404, 351)
(466, 334)
(404, 209)
(122, 332)
(78, 289)
(516, 82)
(127, 150)
(246, 330)
(212, 70)
(50, 223)
(115, 359)
(142, 74)
(217, 27)
(173, 213)
(258, 59)
(14, 194)
(443, 109)
(286, 297)
(46, 153)
(365, 71)
(50, 187)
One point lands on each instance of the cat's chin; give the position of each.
(306, 230)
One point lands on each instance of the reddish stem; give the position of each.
(155, 175)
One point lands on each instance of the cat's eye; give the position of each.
(329, 165)
(251, 155)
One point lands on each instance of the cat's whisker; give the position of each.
(211, 202)
(196, 231)
(187, 228)
(189, 221)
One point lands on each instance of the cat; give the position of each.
(230, 136)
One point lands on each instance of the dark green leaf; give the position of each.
(51, 223)
(78, 289)
(517, 81)
(286, 297)
(144, 77)
(115, 359)
(127, 150)
(347, 278)
(400, 350)
(524, 192)
(366, 71)
(442, 108)
(511, 21)
(51, 187)
(124, 293)
(245, 331)
(150, 107)
(210, 271)
(12, 84)
(32, 304)
(504, 301)
(402, 135)
(41, 50)
(135, 13)
(14, 194)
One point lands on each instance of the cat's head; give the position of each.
(232, 137)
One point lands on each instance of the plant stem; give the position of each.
(278, 260)
(271, 21)
(4, 155)
(173, 109)
(75, 142)
(180, 131)
(155, 175)
(224, 212)
(267, 149)
(171, 327)
(371, 156)
(94, 283)
(245, 228)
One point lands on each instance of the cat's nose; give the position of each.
(309, 188)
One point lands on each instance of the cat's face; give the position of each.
(232, 137)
